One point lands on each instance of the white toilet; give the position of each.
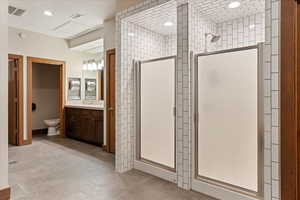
(52, 126)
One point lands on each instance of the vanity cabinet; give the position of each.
(85, 125)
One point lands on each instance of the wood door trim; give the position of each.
(102, 85)
(5, 194)
(20, 97)
(62, 64)
(290, 90)
(108, 54)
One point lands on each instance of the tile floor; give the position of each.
(62, 169)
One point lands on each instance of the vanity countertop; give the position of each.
(85, 106)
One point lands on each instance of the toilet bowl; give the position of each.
(52, 126)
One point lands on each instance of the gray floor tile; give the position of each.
(58, 168)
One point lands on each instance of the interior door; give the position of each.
(111, 101)
(13, 99)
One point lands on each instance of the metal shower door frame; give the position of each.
(260, 123)
(138, 70)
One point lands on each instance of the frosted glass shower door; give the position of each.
(156, 115)
(227, 128)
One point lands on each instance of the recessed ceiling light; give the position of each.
(234, 4)
(48, 13)
(252, 26)
(168, 23)
(131, 34)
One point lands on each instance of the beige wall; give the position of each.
(123, 4)
(45, 94)
(110, 24)
(42, 46)
(4, 96)
(109, 34)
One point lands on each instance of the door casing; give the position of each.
(290, 99)
(20, 89)
(61, 64)
(111, 101)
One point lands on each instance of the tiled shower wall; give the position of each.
(170, 45)
(125, 91)
(241, 32)
(234, 33)
(198, 27)
(272, 101)
(183, 100)
(141, 43)
(138, 43)
(144, 44)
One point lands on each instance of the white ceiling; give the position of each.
(93, 47)
(218, 11)
(154, 19)
(214, 10)
(94, 12)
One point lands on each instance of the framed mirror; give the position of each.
(93, 85)
(90, 89)
(74, 89)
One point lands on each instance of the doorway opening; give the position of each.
(32, 106)
(15, 100)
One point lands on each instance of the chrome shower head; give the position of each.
(215, 38)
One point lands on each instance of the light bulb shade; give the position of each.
(94, 66)
(101, 65)
(84, 66)
(89, 66)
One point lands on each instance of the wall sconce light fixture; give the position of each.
(93, 65)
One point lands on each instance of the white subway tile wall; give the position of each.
(135, 42)
(235, 32)
(272, 96)
(241, 32)
(170, 45)
(200, 25)
(183, 100)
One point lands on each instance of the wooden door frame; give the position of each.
(290, 101)
(62, 66)
(19, 58)
(108, 53)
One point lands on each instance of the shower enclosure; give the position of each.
(149, 39)
(228, 140)
(208, 135)
(226, 62)
(156, 133)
